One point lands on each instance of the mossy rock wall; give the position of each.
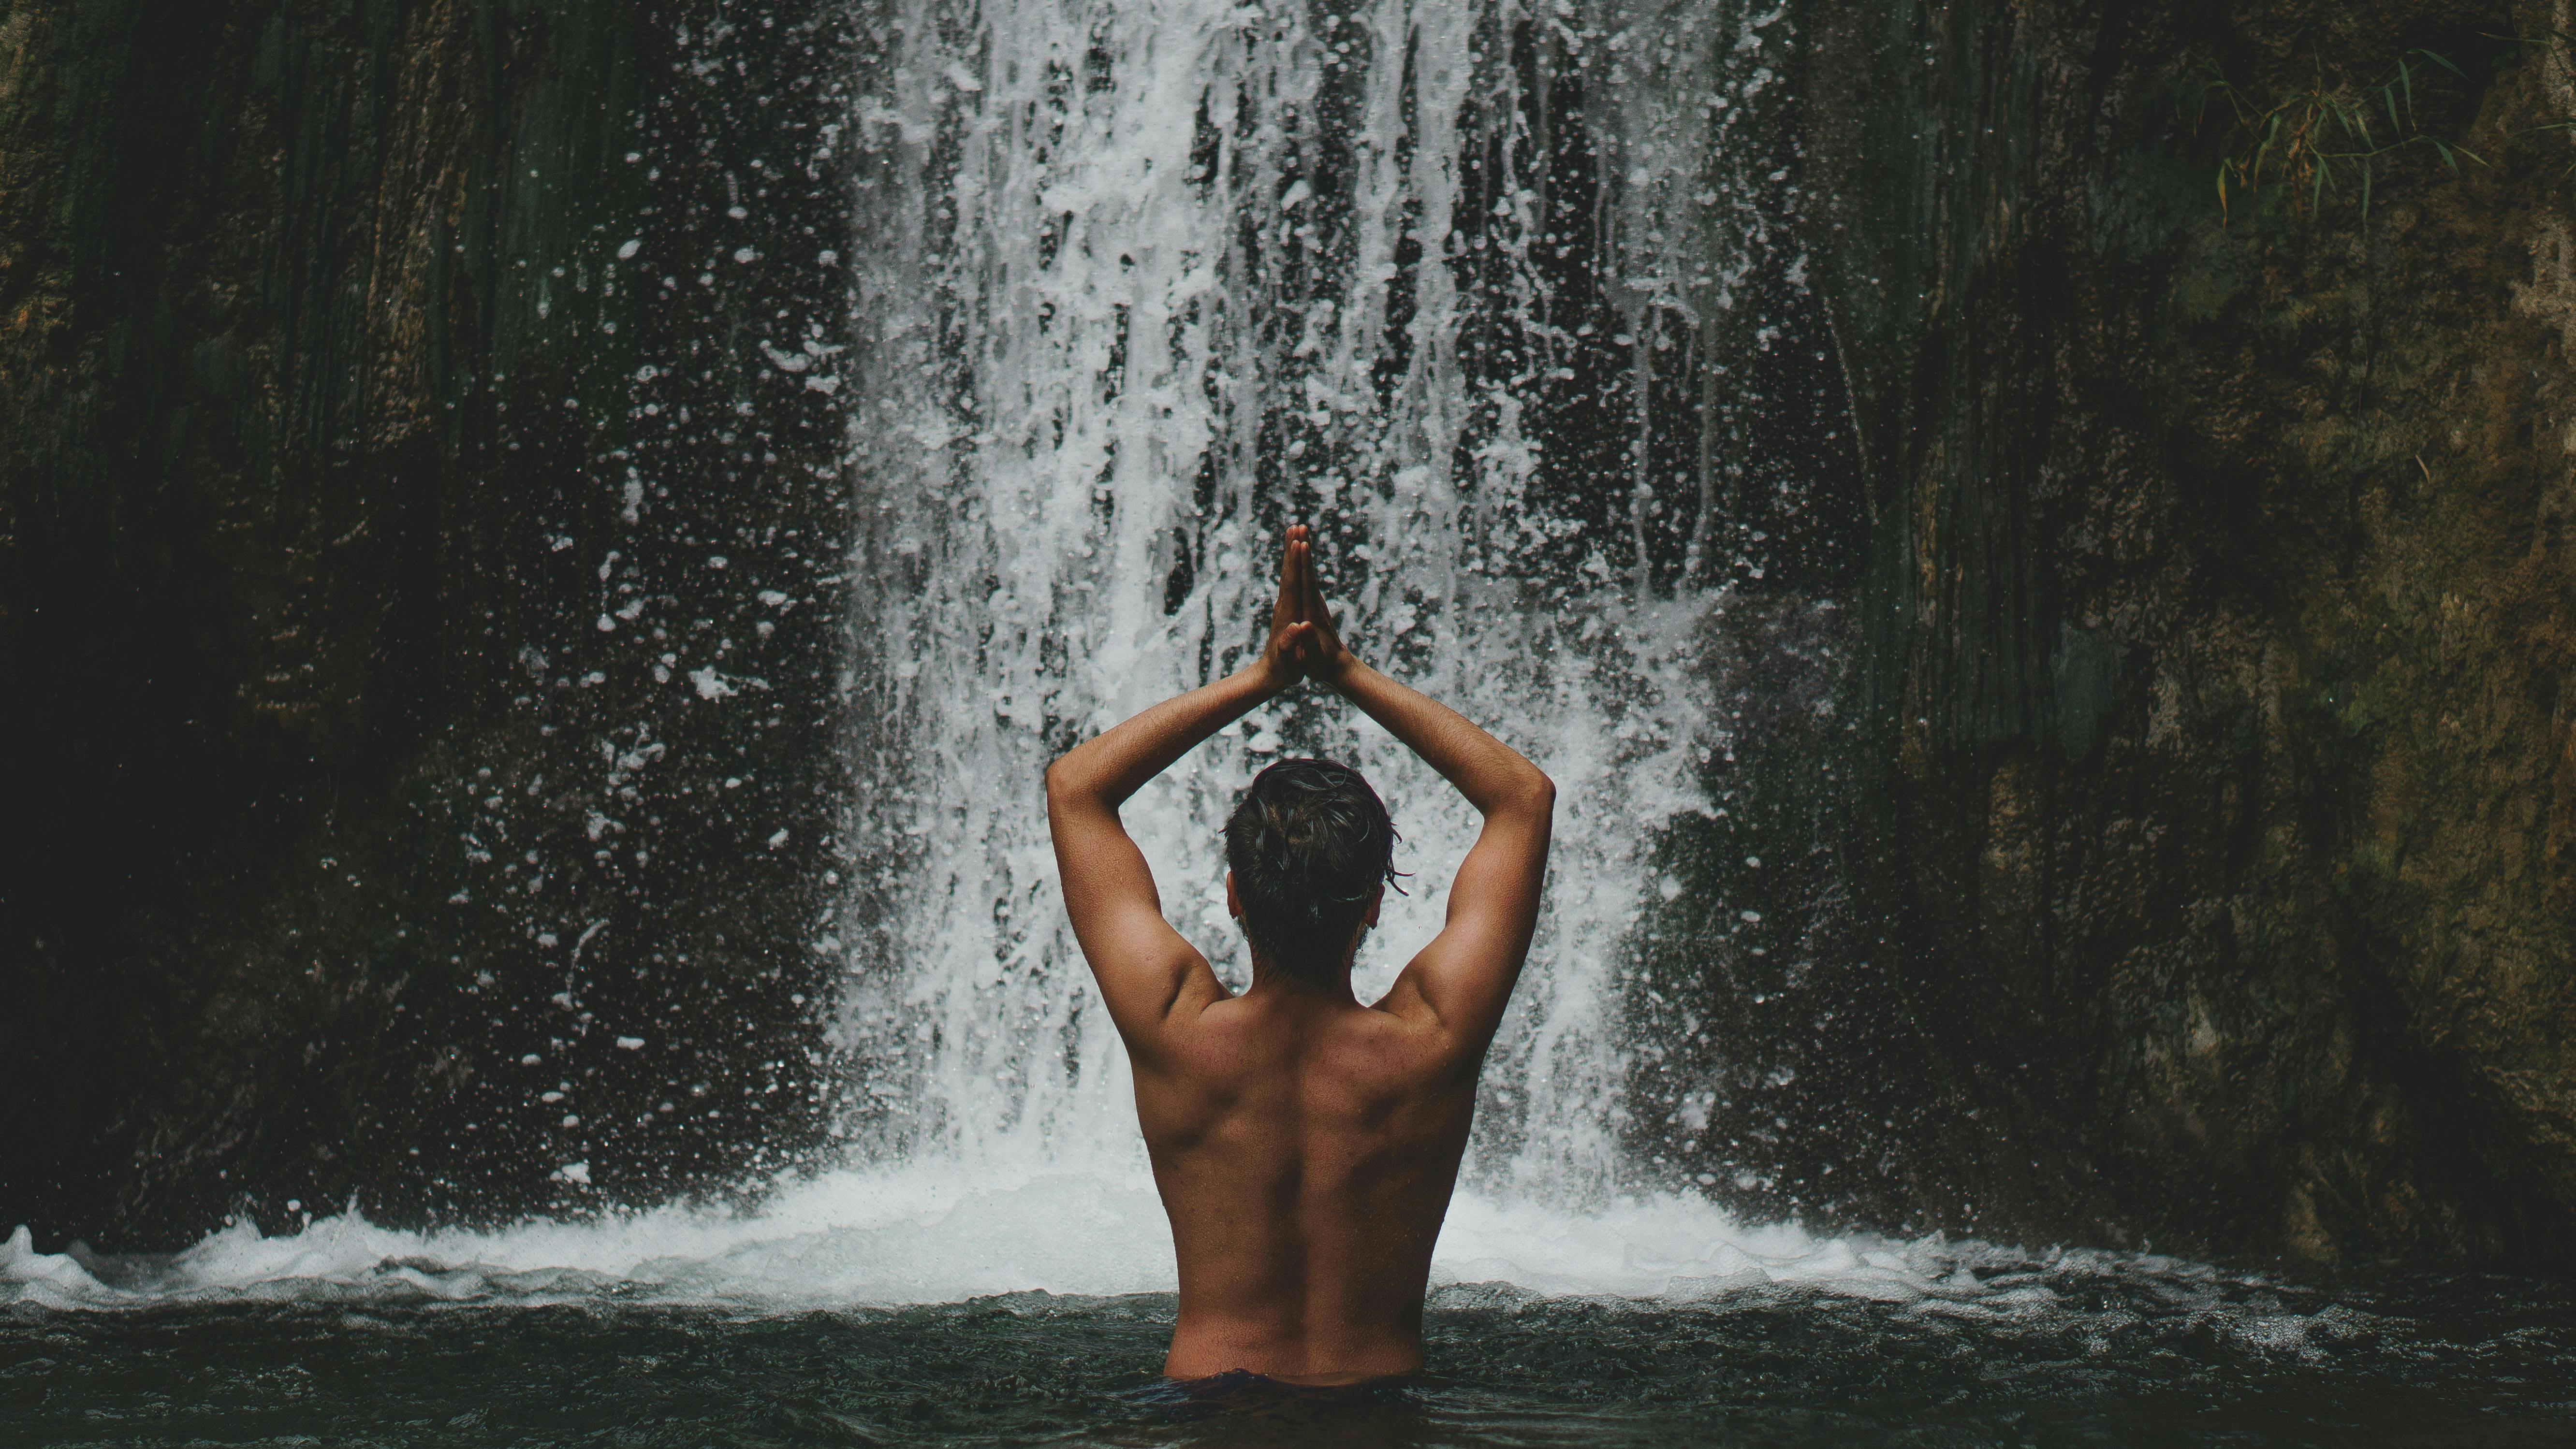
(2221, 610)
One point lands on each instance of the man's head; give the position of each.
(1311, 849)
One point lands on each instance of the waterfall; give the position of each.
(1490, 294)
(1141, 283)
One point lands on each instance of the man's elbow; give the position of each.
(1065, 785)
(1535, 793)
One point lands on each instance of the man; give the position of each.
(1305, 1145)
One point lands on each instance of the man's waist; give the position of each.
(1335, 1349)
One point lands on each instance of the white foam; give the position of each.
(933, 1233)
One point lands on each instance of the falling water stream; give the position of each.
(1157, 279)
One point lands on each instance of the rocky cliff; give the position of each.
(2220, 609)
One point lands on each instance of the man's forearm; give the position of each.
(1491, 774)
(1110, 767)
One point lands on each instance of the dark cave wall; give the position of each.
(2220, 605)
(350, 598)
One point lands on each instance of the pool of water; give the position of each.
(2062, 1349)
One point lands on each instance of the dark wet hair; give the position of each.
(1309, 844)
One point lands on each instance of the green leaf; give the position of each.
(2444, 62)
(2366, 170)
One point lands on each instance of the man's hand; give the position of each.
(1303, 642)
(1281, 663)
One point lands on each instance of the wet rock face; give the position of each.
(416, 588)
(2219, 625)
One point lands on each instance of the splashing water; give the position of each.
(690, 1328)
(937, 1233)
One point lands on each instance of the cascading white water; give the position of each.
(1138, 278)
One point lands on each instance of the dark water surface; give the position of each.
(2166, 1357)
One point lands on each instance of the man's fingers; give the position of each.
(1301, 593)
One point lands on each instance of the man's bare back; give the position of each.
(1306, 1145)
(1305, 1148)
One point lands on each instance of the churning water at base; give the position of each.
(1039, 1310)
(686, 1332)
(931, 1235)
(931, 1307)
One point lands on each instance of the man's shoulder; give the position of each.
(1229, 1037)
(1395, 1043)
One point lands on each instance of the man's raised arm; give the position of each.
(1464, 978)
(1144, 967)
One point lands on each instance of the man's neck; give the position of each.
(1270, 985)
